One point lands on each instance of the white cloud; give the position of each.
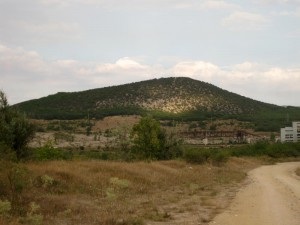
(49, 31)
(207, 5)
(212, 4)
(18, 59)
(25, 75)
(196, 69)
(245, 21)
(277, 1)
(146, 4)
(293, 13)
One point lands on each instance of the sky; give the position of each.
(249, 47)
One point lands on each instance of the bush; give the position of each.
(14, 179)
(15, 130)
(257, 149)
(279, 150)
(152, 142)
(97, 155)
(48, 152)
(199, 156)
(274, 150)
(219, 157)
(5, 207)
(148, 139)
(6, 153)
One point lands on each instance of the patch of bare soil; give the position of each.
(113, 122)
(201, 207)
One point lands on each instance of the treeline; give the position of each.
(132, 99)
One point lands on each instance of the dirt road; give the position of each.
(272, 197)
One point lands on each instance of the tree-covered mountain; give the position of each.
(169, 98)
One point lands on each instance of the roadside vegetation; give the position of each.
(111, 193)
(263, 149)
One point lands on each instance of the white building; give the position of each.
(290, 134)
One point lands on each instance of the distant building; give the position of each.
(290, 134)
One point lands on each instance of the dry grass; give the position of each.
(298, 171)
(110, 193)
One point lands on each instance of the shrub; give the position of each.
(32, 217)
(47, 181)
(274, 150)
(219, 157)
(282, 150)
(6, 153)
(257, 149)
(193, 155)
(5, 207)
(148, 139)
(14, 179)
(15, 130)
(48, 152)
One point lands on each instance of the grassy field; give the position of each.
(111, 193)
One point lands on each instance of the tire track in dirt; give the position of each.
(271, 198)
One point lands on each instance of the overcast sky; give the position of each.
(249, 47)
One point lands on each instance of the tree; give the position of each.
(148, 138)
(15, 129)
(150, 141)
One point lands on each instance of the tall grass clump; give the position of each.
(199, 156)
(14, 181)
(49, 152)
(257, 149)
(263, 148)
(280, 150)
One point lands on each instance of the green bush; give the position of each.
(152, 142)
(15, 129)
(257, 149)
(48, 152)
(219, 157)
(97, 155)
(274, 150)
(194, 155)
(280, 150)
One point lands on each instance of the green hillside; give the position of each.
(165, 98)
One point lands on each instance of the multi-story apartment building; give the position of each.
(290, 134)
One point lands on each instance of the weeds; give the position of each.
(5, 207)
(48, 152)
(200, 156)
(33, 217)
(219, 157)
(101, 192)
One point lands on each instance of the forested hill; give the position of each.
(166, 98)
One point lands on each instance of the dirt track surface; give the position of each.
(272, 197)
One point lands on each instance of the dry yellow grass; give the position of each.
(110, 193)
(298, 171)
